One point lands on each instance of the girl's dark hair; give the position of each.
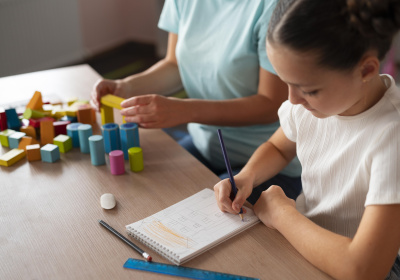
(340, 31)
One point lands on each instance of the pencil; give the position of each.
(229, 169)
(123, 238)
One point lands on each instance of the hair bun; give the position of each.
(374, 17)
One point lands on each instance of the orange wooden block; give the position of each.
(29, 130)
(85, 115)
(25, 141)
(36, 102)
(33, 152)
(46, 132)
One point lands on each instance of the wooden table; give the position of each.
(49, 211)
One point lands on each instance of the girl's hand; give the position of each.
(272, 203)
(104, 87)
(222, 191)
(155, 111)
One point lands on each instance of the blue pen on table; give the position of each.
(229, 169)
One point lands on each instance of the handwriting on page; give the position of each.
(191, 224)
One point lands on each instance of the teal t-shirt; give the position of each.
(221, 45)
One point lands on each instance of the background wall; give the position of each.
(42, 34)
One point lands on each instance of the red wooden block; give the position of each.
(36, 123)
(60, 127)
(3, 121)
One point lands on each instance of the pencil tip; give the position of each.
(241, 217)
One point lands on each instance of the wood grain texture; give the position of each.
(49, 211)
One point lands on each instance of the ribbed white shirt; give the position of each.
(347, 163)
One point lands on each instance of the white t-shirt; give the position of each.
(347, 162)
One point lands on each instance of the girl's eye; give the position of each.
(311, 92)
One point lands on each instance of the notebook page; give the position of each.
(189, 227)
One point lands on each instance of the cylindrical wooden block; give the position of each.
(135, 159)
(117, 164)
(111, 138)
(129, 133)
(96, 146)
(72, 131)
(84, 132)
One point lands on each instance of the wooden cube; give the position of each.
(4, 137)
(50, 153)
(33, 152)
(64, 143)
(15, 138)
(25, 141)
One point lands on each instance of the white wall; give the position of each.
(42, 34)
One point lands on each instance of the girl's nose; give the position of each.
(295, 96)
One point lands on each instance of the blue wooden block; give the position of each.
(84, 132)
(50, 153)
(111, 137)
(13, 121)
(15, 138)
(97, 153)
(69, 118)
(129, 133)
(72, 131)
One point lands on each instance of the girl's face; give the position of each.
(322, 91)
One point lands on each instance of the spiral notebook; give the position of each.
(189, 227)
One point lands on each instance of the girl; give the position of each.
(342, 120)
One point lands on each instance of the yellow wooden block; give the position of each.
(36, 102)
(71, 101)
(112, 101)
(33, 152)
(107, 114)
(12, 157)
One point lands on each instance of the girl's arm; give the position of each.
(369, 255)
(267, 161)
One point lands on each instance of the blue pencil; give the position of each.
(229, 169)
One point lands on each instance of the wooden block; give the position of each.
(33, 152)
(29, 130)
(13, 121)
(4, 137)
(85, 115)
(3, 121)
(112, 101)
(50, 153)
(36, 102)
(46, 132)
(12, 157)
(72, 101)
(60, 127)
(107, 114)
(36, 123)
(64, 143)
(14, 139)
(25, 141)
(33, 114)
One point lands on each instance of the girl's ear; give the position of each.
(369, 67)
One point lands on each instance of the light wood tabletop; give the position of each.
(49, 212)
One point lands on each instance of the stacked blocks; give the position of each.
(111, 136)
(117, 164)
(136, 159)
(84, 132)
(63, 142)
(25, 141)
(50, 153)
(129, 137)
(97, 153)
(12, 157)
(14, 139)
(33, 152)
(72, 131)
(108, 102)
(4, 137)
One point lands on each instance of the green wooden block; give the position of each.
(64, 142)
(4, 137)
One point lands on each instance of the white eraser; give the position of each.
(107, 201)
